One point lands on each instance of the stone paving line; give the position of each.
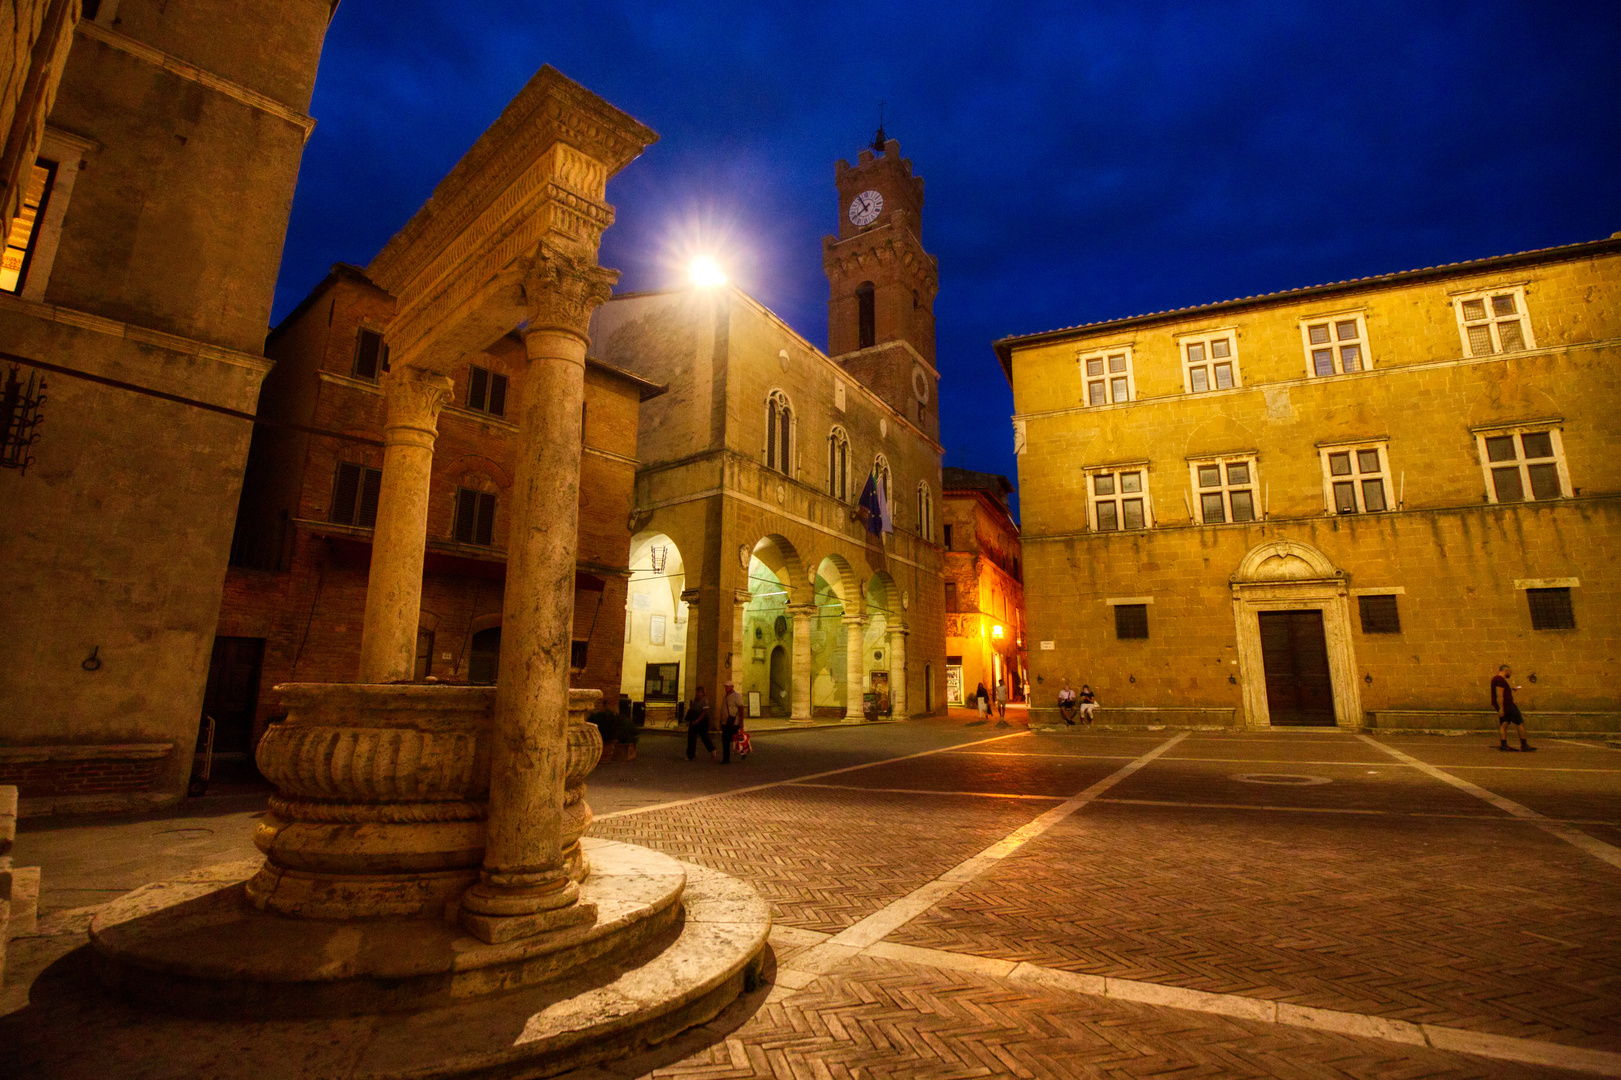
(804, 968)
(1265, 1010)
(821, 953)
(1569, 834)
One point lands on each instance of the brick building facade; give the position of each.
(984, 586)
(296, 592)
(1339, 505)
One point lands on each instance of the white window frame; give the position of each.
(1118, 497)
(1204, 339)
(1107, 379)
(838, 487)
(1357, 476)
(1225, 488)
(1549, 427)
(1491, 321)
(1335, 345)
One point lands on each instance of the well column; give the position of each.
(388, 639)
(526, 886)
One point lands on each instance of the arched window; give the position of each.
(838, 464)
(779, 433)
(925, 511)
(866, 316)
(886, 486)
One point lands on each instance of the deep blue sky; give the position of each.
(1084, 161)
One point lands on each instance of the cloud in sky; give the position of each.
(1083, 161)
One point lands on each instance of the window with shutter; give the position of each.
(354, 495)
(371, 355)
(475, 517)
(486, 391)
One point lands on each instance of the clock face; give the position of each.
(865, 208)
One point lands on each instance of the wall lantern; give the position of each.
(996, 631)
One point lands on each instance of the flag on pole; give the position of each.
(887, 502)
(869, 507)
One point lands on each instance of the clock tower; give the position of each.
(880, 312)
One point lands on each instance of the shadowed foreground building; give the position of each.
(1338, 505)
(154, 204)
(984, 586)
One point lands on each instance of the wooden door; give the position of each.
(1294, 653)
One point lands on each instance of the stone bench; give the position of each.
(1141, 717)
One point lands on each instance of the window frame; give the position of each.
(34, 241)
(381, 359)
(1492, 321)
(492, 380)
(1330, 506)
(1333, 319)
(1551, 593)
(365, 475)
(1106, 378)
(1374, 600)
(1118, 496)
(884, 477)
(1205, 338)
(925, 511)
(777, 458)
(1122, 625)
(477, 516)
(838, 467)
(1225, 488)
(1553, 429)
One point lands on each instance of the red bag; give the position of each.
(743, 745)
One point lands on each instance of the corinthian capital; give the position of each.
(414, 399)
(561, 291)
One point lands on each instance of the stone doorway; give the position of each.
(1294, 654)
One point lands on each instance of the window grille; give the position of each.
(1379, 614)
(1550, 609)
(1131, 620)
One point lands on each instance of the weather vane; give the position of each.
(879, 137)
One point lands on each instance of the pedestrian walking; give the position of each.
(733, 719)
(699, 717)
(1089, 704)
(1001, 699)
(1508, 713)
(982, 700)
(1066, 703)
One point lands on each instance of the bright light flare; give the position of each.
(997, 631)
(706, 273)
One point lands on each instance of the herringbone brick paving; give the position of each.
(824, 859)
(876, 1018)
(1487, 926)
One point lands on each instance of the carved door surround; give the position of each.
(1288, 575)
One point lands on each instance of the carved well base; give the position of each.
(383, 799)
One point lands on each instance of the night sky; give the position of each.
(1084, 161)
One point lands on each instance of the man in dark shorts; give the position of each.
(1507, 712)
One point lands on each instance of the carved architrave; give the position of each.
(561, 291)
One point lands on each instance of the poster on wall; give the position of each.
(954, 684)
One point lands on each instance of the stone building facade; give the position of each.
(161, 191)
(752, 561)
(1340, 505)
(984, 586)
(295, 595)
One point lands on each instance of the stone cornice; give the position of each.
(156, 57)
(889, 245)
(500, 174)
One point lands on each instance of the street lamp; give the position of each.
(706, 274)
